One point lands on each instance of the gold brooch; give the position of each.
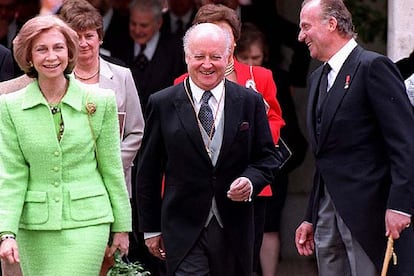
(90, 108)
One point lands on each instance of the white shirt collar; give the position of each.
(339, 58)
(198, 92)
(150, 48)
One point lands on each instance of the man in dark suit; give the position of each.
(360, 125)
(6, 64)
(155, 59)
(179, 17)
(115, 26)
(211, 140)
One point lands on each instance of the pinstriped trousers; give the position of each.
(337, 252)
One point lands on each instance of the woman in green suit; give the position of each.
(62, 189)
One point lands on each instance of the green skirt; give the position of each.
(67, 252)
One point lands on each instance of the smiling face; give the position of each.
(50, 54)
(207, 57)
(315, 32)
(143, 24)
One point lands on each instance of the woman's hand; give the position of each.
(120, 241)
(9, 251)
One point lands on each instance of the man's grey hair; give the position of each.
(195, 28)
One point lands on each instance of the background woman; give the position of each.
(96, 71)
(62, 189)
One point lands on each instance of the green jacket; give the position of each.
(50, 185)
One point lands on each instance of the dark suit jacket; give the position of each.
(6, 64)
(166, 64)
(166, 22)
(366, 146)
(172, 144)
(406, 66)
(280, 32)
(117, 34)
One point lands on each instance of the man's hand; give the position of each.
(304, 239)
(240, 189)
(395, 223)
(156, 246)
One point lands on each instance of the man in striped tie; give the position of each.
(210, 138)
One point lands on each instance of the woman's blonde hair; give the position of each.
(23, 43)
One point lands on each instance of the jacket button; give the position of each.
(56, 153)
(57, 199)
(56, 184)
(56, 169)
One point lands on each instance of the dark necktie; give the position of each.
(205, 115)
(180, 27)
(323, 84)
(141, 61)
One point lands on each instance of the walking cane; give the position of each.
(389, 253)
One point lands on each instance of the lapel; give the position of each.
(128, 53)
(166, 23)
(313, 97)
(232, 115)
(106, 75)
(187, 117)
(33, 100)
(232, 111)
(34, 97)
(338, 91)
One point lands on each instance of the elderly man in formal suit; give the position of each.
(211, 139)
(360, 125)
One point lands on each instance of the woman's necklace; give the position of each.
(210, 135)
(54, 97)
(85, 78)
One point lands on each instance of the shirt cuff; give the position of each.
(401, 213)
(251, 190)
(151, 235)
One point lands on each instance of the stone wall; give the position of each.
(400, 29)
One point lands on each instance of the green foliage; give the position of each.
(369, 18)
(122, 268)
